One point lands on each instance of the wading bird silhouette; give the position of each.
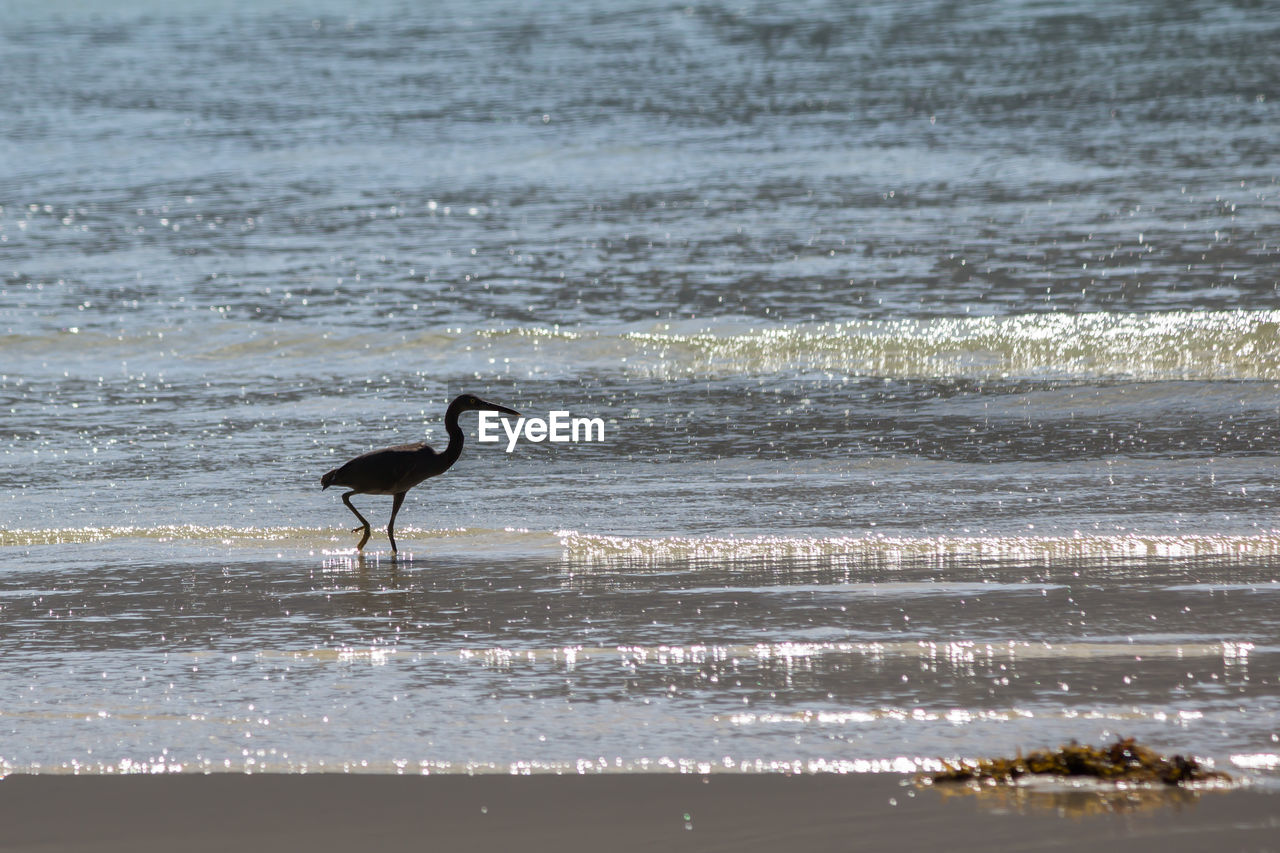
(396, 470)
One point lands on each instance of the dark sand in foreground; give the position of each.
(611, 813)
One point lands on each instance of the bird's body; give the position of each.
(396, 470)
(388, 471)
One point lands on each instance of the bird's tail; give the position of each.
(327, 480)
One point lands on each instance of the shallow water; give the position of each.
(938, 355)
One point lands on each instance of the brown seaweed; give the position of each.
(1065, 800)
(1123, 761)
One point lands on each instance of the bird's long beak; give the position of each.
(495, 407)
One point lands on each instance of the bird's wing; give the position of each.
(380, 471)
(416, 447)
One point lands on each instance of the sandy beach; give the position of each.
(614, 812)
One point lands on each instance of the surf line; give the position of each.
(557, 427)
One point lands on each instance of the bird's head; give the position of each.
(472, 403)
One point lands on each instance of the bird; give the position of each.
(395, 470)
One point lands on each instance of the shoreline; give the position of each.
(621, 812)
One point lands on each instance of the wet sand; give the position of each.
(615, 813)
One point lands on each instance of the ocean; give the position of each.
(936, 348)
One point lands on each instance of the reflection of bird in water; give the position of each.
(396, 470)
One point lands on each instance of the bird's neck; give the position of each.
(456, 436)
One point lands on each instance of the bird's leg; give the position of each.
(346, 499)
(391, 525)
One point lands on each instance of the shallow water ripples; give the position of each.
(451, 664)
(930, 455)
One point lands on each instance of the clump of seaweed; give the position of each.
(1095, 798)
(1123, 761)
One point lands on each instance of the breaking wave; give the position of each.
(1195, 345)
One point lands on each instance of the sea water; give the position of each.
(936, 346)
